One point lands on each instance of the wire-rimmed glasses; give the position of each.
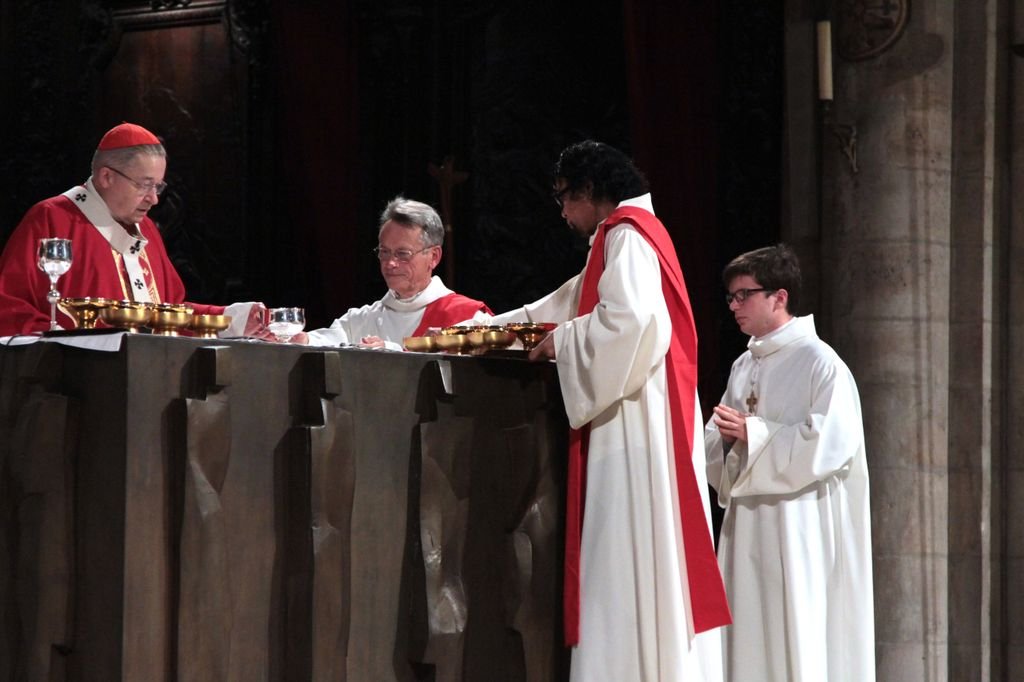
(143, 188)
(400, 255)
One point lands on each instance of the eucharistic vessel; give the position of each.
(54, 260)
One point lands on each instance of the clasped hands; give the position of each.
(731, 423)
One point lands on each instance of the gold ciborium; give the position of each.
(530, 333)
(207, 326)
(419, 344)
(451, 342)
(84, 311)
(170, 318)
(485, 338)
(127, 315)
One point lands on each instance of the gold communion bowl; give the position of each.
(128, 315)
(451, 342)
(419, 344)
(207, 326)
(530, 333)
(483, 339)
(170, 318)
(84, 311)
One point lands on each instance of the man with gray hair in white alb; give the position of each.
(408, 248)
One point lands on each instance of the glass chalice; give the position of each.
(284, 323)
(54, 260)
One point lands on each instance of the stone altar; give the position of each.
(225, 510)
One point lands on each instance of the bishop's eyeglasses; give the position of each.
(400, 255)
(144, 188)
(741, 295)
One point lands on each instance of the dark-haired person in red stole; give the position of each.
(118, 251)
(644, 598)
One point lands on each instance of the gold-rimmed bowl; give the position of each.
(419, 344)
(84, 311)
(530, 333)
(174, 307)
(208, 326)
(169, 319)
(452, 343)
(490, 338)
(127, 315)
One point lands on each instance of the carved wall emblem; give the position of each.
(869, 27)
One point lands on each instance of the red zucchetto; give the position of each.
(126, 135)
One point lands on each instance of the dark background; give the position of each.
(290, 124)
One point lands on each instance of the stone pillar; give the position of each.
(886, 244)
(977, 341)
(1011, 408)
(918, 252)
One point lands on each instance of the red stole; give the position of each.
(449, 310)
(707, 592)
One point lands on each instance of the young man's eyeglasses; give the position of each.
(558, 195)
(741, 295)
(400, 255)
(144, 188)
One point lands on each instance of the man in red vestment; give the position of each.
(118, 252)
(409, 248)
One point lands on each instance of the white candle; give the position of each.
(825, 60)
